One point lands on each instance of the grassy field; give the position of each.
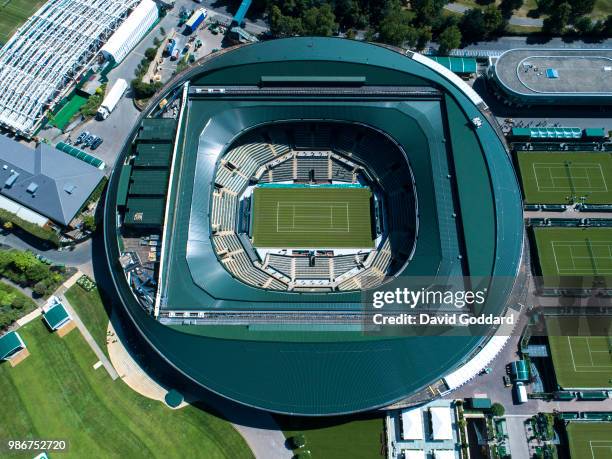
(354, 438)
(574, 252)
(590, 440)
(581, 352)
(317, 217)
(559, 178)
(56, 394)
(90, 309)
(13, 13)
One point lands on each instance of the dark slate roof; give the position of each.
(63, 183)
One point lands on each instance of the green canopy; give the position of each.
(10, 344)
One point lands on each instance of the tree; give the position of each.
(497, 409)
(557, 21)
(40, 288)
(396, 26)
(319, 21)
(150, 53)
(6, 298)
(494, 22)
(581, 7)
(472, 25)
(89, 223)
(507, 7)
(284, 26)
(583, 25)
(449, 39)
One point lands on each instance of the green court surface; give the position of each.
(590, 440)
(13, 13)
(560, 178)
(574, 252)
(581, 349)
(65, 114)
(56, 393)
(312, 217)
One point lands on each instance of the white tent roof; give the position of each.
(444, 454)
(414, 454)
(124, 33)
(412, 424)
(441, 422)
(477, 363)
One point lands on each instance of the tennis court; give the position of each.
(590, 440)
(312, 217)
(581, 349)
(574, 251)
(560, 178)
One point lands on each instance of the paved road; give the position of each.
(517, 437)
(514, 20)
(79, 256)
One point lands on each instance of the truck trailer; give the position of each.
(195, 20)
(112, 98)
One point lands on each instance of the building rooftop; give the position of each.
(9, 344)
(540, 72)
(56, 316)
(46, 180)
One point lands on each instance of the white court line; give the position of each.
(573, 169)
(315, 205)
(569, 343)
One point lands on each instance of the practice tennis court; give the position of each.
(581, 349)
(312, 217)
(559, 178)
(574, 251)
(590, 440)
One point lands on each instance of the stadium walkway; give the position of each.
(266, 441)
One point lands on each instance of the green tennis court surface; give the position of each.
(590, 440)
(581, 349)
(312, 217)
(559, 178)
(574, 252)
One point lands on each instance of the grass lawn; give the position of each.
(312, 217)
(559, 178)
(56, 394)
(574, 252)
(90, 309)
(580, 352)
(592, 440)
(13, 13)
(338, 438)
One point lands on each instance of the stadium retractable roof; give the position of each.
(465, 186)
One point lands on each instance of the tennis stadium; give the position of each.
(278, 183)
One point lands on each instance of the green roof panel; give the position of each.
(10, 344)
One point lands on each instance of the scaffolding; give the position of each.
(47, 55)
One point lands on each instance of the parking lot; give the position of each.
(115, 129)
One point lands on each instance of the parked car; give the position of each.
(507, 382)
(96, 143)
(82, 136)
(89, 140)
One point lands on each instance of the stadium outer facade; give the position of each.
(470, 220)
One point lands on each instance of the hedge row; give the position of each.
(45, 234)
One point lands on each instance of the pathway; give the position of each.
(81, 326)
(128, 368)
(517, 436)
